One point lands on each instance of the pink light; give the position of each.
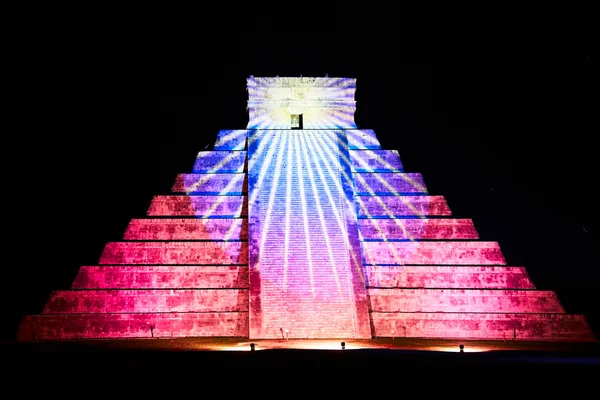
(147, 301)
(138, 325)
(438, 276)
(412, 206)
(463, 300)
(199, 206)
(187, 229)
(198, 253)
(211, 184)
(437, 253)
(161, 277)
(417, 229)
(265, 238)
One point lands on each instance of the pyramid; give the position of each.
(302, 226)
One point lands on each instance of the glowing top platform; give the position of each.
(301, 103)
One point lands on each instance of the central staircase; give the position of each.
(304, 259)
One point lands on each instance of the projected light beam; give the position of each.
(273, 192)
(304, 214)
(306, 149)
(330, 151)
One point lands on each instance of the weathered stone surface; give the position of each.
(146, 301)
(198, 253)
(303, 278)
(464, 300)
(138, 325)
(401, 206)
(417, 229)
(375, 161)
(231, 139)
(362, 139)
(225, 161)
(211, 184)
(389, 276)
(490, 326)
(199, 206)
(388, 183)
(187, 229)
(436, 253)
(161, 277)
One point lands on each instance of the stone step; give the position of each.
(146, 301)
(486, 326)
(231, 139)
(199, 206)
(195, 253)
(138, 325)
(160, 277)
(447, 277)
(464, 300)
(375, 161)
(220, 161)
(187, 229)
(362, 139)
(388, 183)
(401, 206)
(211, 184)
(437, 253)
(314, 295)
(416, 229)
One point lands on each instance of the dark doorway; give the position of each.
(296, 121)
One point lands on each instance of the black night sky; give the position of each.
(505, 135)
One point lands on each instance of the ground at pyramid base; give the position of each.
(301, 226)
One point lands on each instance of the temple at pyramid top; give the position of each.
(301, 103)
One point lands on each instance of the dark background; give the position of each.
(506, 134)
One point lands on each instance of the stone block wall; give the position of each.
(180, 271)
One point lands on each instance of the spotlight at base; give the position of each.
(251, 346)
(343, 345)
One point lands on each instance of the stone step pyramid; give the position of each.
(302, 226)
